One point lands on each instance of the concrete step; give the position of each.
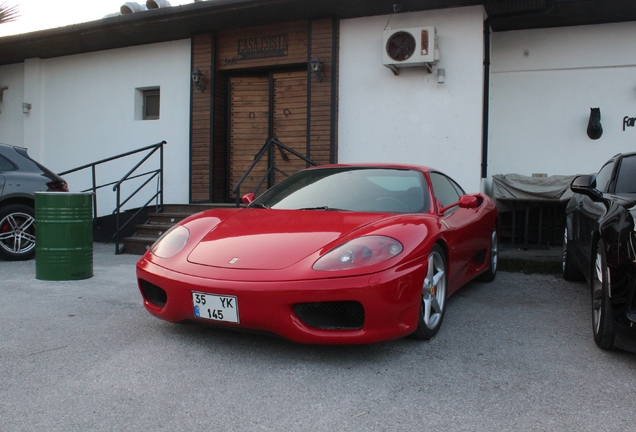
(154, 230)
(137, 245)
(158, 223)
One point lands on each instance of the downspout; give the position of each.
(486, 107)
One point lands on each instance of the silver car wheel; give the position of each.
(17, 233)
(494, 251)
(434, 291)
(597, 293)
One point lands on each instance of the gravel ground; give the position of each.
(515, 354)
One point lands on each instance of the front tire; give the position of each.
(433, 303)
(17, 232)
(601, 302)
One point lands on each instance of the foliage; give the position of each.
(8, 13)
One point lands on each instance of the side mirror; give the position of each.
(468, 201)
(586, 185)
(248, 198)
(465, 201)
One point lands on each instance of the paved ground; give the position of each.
(516, 354)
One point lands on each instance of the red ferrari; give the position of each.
(337, 254)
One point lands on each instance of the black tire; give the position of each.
(570, 272)
(17, 232)
(493, 257)
(433, 300)
(601, 302)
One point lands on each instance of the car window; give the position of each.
(350, 189)
(604, 176)
(457, 187)
(626, 179)
(444, 189)
(6, 165)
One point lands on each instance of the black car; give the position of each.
(20, 178)
(600, 246)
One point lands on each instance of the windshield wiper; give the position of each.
(325, 208)
(258, 205)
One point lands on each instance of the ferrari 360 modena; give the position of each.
(336, 254)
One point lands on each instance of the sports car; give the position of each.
(336, 254)
(599, 247)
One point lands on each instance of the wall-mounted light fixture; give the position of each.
(26, 107)
(316, 67)
(441, 76)
(197, 81)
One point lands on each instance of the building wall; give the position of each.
(411, 118)
(11, 116)
(87, 107)
(544, 83)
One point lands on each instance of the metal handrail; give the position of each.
(271, 167)
(157, 196)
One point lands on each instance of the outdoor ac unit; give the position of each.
(410, 47)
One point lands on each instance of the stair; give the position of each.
(159, 223)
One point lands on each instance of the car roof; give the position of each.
(378, 165)
(622, 155)
(9, 146)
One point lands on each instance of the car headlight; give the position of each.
(171, 242)
(361, 252)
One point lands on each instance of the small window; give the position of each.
(150, 104)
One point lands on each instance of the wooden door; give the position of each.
(249, 129)
(290, 120)
(261, 108)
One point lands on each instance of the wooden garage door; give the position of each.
(252, 124)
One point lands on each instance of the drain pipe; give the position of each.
(486, 117)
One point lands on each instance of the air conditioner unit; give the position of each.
(410, 47)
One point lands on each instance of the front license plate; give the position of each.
(215, 307)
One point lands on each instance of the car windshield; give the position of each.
(350, 189)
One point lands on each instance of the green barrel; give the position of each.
(64, 236)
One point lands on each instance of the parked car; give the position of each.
(336, 254)
(20, 178)
(599, 247)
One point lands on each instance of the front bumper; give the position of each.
(390, 300)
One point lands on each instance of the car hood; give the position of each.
(263, 239)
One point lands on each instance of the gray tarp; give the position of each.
(517, 187)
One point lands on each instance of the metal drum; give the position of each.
(64, 236)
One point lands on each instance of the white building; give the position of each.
(539, 72)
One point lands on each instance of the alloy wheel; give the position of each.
(434, 291)
(17, 233)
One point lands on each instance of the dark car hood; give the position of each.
(262, 239)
